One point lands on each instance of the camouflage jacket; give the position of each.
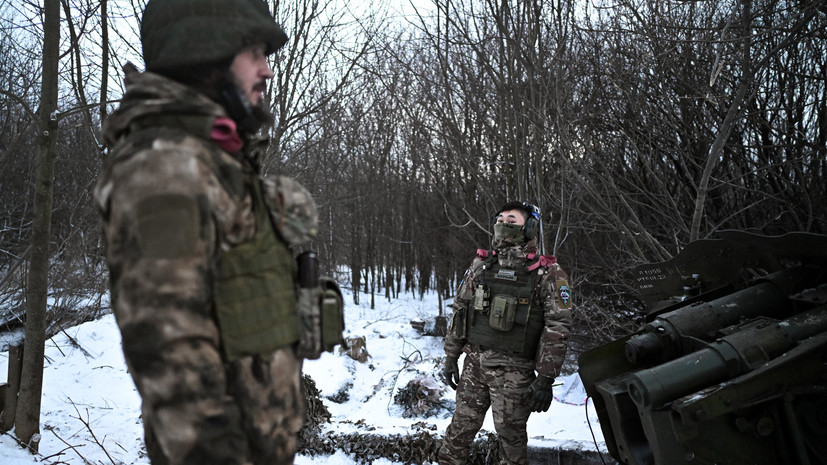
(555, 297)
(167, 218)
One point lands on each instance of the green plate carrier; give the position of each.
(509, 320)
(255, 299)
(255, 296)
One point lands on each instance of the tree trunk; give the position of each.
(9, 409)
(31, 383)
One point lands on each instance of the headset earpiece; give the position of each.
(532, 227)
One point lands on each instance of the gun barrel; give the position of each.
(726, 358)
(730, 364)
(661, 339)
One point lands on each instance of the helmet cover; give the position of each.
(183, 33)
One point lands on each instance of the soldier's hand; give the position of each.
(450, 372)
(539, 394)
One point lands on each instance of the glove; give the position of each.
(450, 372)
(539, 394)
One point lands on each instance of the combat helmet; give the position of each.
(185, 33)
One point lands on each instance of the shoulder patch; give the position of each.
(563, 292)
(167, 226)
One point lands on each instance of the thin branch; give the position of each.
(68, 446)
(89, 428)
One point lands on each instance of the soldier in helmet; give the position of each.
(202, 277)
(512, 315)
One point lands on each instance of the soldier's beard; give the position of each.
(248, 116)
(263, 114)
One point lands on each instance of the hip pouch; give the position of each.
(457, 326)
(320, 308)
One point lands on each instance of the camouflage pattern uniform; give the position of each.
(168, 218)
(498, 380)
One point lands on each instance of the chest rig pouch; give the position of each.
(505, 315)
(255, 299)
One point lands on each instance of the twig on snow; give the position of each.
(89, 428)
(68, 446)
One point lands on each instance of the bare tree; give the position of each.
(747, 82)
(318, 62)
(638, 125)
(28, 408)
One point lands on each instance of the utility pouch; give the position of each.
(333, 314)
(310, 317)
(503, 311)
(481, 296)
(321, 310)
(458, 324)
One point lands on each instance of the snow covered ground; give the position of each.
(90, 410)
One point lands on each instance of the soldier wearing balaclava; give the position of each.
(512, 317)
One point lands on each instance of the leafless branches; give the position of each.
(638, 126)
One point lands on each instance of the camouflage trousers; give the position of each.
(499, 388)
(263, 398)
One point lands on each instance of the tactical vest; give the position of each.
(254, 291)
(255, 297)
(505, 314)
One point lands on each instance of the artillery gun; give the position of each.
(731, 365)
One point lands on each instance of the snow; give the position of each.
(90, 409)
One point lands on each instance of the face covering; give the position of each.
(508, 234)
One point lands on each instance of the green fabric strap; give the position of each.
(256, 299)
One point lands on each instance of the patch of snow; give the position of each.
(90, 406)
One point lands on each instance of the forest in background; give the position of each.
(636, 125)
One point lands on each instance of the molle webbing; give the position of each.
(523, 336)
(256, 298)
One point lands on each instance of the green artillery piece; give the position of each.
(731, 367)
